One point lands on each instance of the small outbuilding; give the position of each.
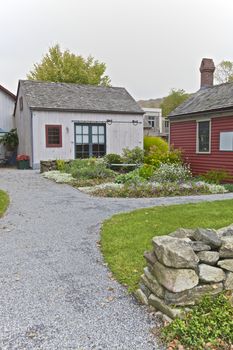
(202, 127)
(69, 121)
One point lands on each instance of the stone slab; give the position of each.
(175, 280)
(160, 305)
(211, 274)
(208, 236)
(226, 264)
(209, 257)
(174, 252)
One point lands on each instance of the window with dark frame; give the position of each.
(203, 129)
(53, 135)
(90, 140)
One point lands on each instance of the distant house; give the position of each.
(68, 121)
(203, 125)
(154, 124)
(7, 102)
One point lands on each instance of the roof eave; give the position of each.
(9, 93)
(83, 110)
(193, 114)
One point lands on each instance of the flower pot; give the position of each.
(23, 164)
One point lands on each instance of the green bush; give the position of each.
(216, 176)
(146, 171)
(134, 156)
(60, 164)
(210, 322)
(131, 177)
(157, 142)
(156, 156)
(229, 187)
(113, 158)
(91, 168)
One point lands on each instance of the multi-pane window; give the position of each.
(53, 135)
(151, 120)
(89, 140)
(203, 136)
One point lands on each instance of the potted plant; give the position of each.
(23, 161)
(10, 140)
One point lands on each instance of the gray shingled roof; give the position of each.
(207, 99)
(74, 97)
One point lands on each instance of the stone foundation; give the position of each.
(48, 165)
(184, 266)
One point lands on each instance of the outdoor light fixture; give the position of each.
(109, 121)
(135, 122)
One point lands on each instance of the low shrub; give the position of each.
(90, 169)
(172, 173)
(157, 142)
(146, 171)
(216, 176)
(60, 164)
(113, 158)
(134, 156)
(155, 157)
(208, 326)
(228, 187)
(131, 177)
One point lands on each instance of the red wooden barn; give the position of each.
(203, 125)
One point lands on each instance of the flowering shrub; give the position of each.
(156, 156)
(133, 156)
(172, 173)
(22, 157)
(58, 177)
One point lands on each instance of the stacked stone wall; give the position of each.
(186, 265)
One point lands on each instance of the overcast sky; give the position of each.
(149, 46)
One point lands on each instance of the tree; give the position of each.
(66, 67)
(173, 100)
(224, 72)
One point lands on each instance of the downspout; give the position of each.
(32, 139)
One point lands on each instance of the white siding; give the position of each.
(23, 124)
(7, 104)
(6, 111)
(118, 135)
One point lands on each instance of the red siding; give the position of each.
(183, 136)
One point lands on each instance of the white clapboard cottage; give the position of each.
(7, 103)
(68, 121)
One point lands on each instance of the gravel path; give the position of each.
(55, 292)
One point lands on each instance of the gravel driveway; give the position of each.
(55, 292)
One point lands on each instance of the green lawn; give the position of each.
(126, 236)
(4, 202)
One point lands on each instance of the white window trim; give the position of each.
(197, 135)
(224, 150)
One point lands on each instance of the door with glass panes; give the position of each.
(90, 140)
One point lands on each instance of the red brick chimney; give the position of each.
(207, 69)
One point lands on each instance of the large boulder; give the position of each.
(151, 283)
(209, 258)
(174, 252)
(175, 280)
(226, 264)
(208, 236)
(191, 296)
(226, 250)
(211, 274)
